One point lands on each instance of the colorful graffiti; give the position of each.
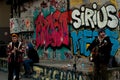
(51, 73)
(84, 37)
(67, 27)
(52, 30)
(14, 25)
(105, 16)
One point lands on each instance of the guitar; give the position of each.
(94, 53)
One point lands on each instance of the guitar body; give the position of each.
(93, 54)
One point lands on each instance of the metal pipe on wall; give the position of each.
(11, 15)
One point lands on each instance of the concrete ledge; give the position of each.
(113, 68)
(113, 73)
(61, 70)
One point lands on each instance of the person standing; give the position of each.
(100, 49)
(14, 52)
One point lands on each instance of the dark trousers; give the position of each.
(100, 69)
(13, 69)
(27, 65)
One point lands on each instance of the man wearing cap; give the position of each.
(100, 49)
(14, 51)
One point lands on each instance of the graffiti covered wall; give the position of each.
(64, 27)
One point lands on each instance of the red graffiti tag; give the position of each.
(52, 30)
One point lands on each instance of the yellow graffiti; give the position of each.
(97, 1)
(55, 73)
(49, 73)
(74, 3)
(80, 77)
(114, 2)
(61, 75)
(87, 45)
(38, 70)
(69, 76)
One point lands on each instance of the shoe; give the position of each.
(25, 74)
(14, 77)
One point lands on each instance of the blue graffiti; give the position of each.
(83, 37)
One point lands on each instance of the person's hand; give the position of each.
(15, 48)
(13, 51)
(26, 58)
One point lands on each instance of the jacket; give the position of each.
(17, 56)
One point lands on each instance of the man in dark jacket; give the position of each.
(32, 57)
(100, 49)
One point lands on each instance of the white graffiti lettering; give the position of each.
(105, 16)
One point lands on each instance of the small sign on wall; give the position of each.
(26, 24)
(14, 25)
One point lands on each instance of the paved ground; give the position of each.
(4, 76)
